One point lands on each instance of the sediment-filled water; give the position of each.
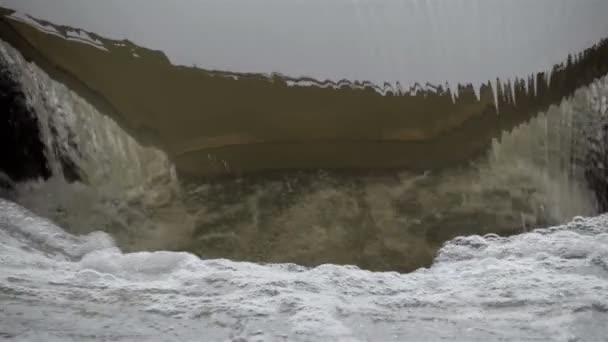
(119, 240)
(548, 284)
(531, 176)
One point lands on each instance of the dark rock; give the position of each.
(21, 148)
(7, 187)
(596, 172)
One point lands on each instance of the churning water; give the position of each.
(74, 283)
(390, 220)
(548, 284)
(118, 245)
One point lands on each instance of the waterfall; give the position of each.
(537, 174)
(102, 179)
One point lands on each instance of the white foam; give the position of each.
(549, 284)
(76, 36)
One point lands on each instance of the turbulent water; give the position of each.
(549, 284)
(121, 181)
(395, 220)
(85, 270)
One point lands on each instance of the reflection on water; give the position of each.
(403, 169)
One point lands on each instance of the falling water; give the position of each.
(401, 170)
(391, 220)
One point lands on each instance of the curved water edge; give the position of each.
(121, 222)
(547, 284)
(285, 123)
(541, 173)
(435, 41)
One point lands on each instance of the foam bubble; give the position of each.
(546, 284)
